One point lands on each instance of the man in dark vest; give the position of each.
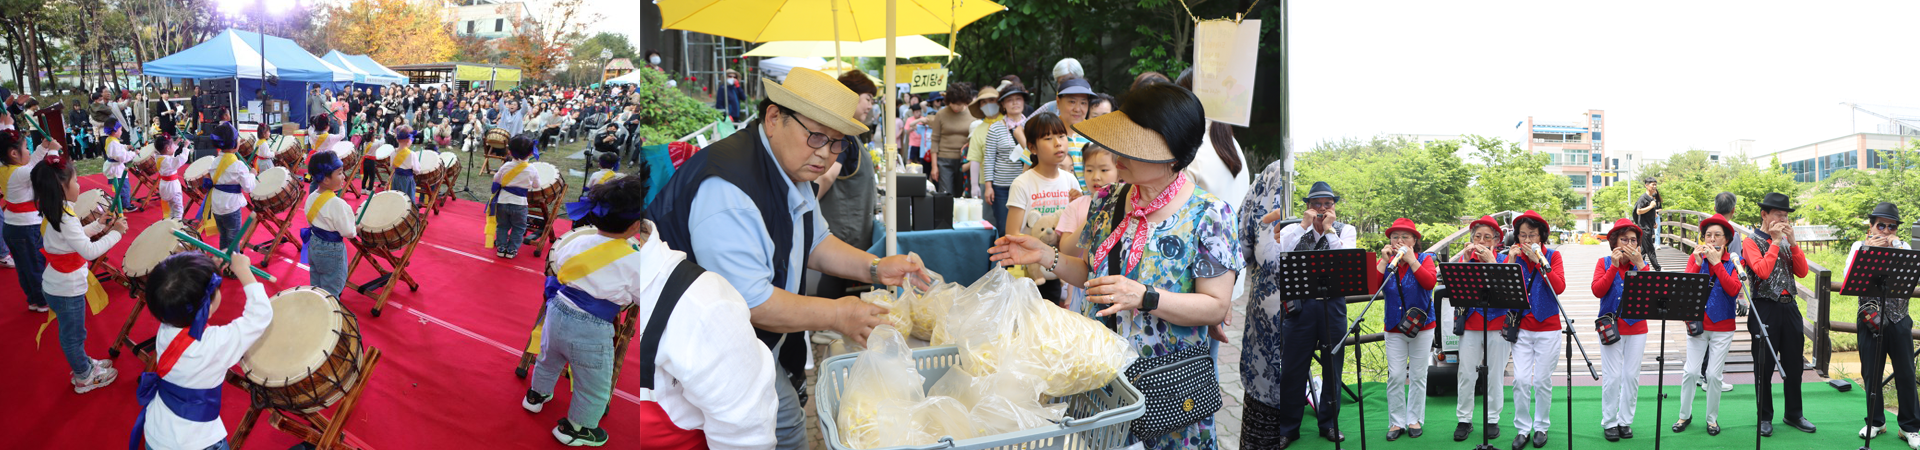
(744, 208)
(1773, 262)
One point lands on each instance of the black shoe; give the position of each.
(1331, 435)
(1612, 434)
(1284, 442)
(1626, 432)
(574, 436)
(1801, 424)
(1394, 434)
(1461, 431)
(1414, 432)
(1713, 429)
(1682, 425)
(1539, 439)
(1520, 442)
(1766, 428)
(1493, 431)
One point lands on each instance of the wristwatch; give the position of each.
(1151, 300)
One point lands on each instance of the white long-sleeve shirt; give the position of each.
(72, 238)
(204, 365)
(20, 188)
(335, 216)
(601, 176)
(526, 179)
(118, 155)
(238, 173)
(170, 165)
(411, 162)
(731, 399)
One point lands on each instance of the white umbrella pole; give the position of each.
(835, 6)
(891, 144)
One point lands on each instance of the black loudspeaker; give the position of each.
(903, 214)
(1441, 380)
(933, 212)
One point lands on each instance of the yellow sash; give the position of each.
(313, 209)
(96, 295)
(6, 174)
(513, 173)
(607, 177)
(581, 265)
(206, 209)
(318, 140)
(400, 157)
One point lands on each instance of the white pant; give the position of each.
(1712, 347)
(1534, 357)
(1620, 379)
(1407, 361)
(1469, 374)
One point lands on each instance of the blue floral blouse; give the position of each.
(1260, 345)
(1197, 242)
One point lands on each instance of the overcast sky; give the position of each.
(1670, 75)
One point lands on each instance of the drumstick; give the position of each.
(188, 238)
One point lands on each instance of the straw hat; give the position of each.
(1120, 134)
(818, 96)
(987, 94)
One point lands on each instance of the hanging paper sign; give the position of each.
(903, 73)
(929, 80)
(1224, 55)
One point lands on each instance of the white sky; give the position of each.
(1669, 75)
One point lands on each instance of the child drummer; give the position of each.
(404, 162)
(609, 169)
(118, 155)
(509, 206)
(194, 358)
(228, 184)
(166, 147)
(329, 222)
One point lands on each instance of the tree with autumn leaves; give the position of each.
(543, 45)
(394, 32)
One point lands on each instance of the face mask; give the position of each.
(990, 109)
(653, 59)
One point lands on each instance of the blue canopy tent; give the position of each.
(237, 54)
(378, 71)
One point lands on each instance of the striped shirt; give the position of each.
(1000, 148)
(1074, 144)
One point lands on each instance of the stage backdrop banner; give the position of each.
(1224, 54)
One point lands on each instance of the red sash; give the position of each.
(657, 431)
(64, 262)
(25, 207)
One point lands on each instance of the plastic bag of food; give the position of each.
(956, 384)
(1010, 402)
(879, 393)
(1073, 353)
(939, 417)
(899, 310)
(986, 329)
(931, 307)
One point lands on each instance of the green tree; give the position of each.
(589, 49)
(1843, 200)
(1380, 180)
(666, 113)
(1690, 180)
(1511, 178)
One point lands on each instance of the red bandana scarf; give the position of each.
(1139, 216)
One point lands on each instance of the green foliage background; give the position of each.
(666, 113)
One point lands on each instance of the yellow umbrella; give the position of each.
(905, 47)
(833, 20)
(816, 20)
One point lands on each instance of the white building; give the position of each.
(488, 19)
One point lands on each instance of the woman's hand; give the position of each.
(1384, 257)
(1124, 294)
(1713, 254)
(987, 191)
(1018, 249)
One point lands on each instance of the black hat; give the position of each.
(1322, 190)
(1885, 210)
(1776, 200)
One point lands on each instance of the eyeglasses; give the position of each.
(1530, 235)
(1886, 226)
(817, 139)
(1484, 237)
(1321, 205)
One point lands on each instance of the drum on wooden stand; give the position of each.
(497, 140)
(199, 169)
(152, 245)
(92, 210)
(426, 172)
(309, 356)
(288, 151)
(548, 187)
(450, 168)
(144, 163)
(276, 191)
(387, 221)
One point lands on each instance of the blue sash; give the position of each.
(603, 309)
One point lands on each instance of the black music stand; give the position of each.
(1664, 297)
(1884, 272)
(1306, 275)
(1485, 286)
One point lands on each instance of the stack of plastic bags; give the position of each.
(1015, 350)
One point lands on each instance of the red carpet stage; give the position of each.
(445, 379)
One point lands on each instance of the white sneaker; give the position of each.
(1913, 440)
(1875, 431)
(6, 261)
(534, 402)
(38, 308)
(103, 374)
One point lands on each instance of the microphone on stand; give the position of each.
(1395, 262)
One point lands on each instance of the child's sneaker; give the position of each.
(38, 308)
(6, 261)
(534, 401)
(579, 437)
(102, 374)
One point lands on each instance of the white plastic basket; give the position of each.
(1096, 420)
